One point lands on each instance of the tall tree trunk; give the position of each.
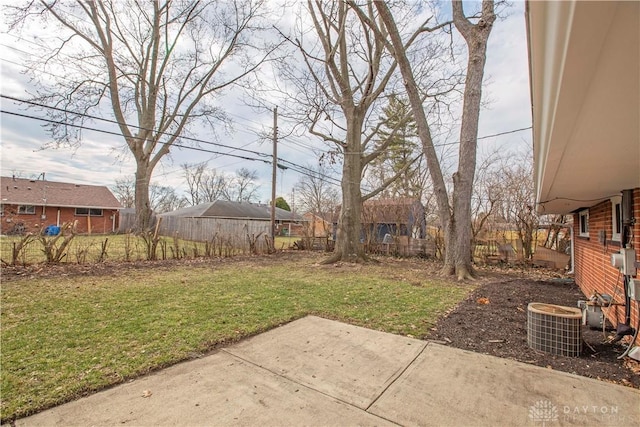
(450, 255)
(413, 93)
(456, 219)
(143, 209)
(476, 36)
(348, 245)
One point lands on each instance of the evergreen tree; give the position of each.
(282, 204)
(399, 126)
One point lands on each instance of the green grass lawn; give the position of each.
(68, 336)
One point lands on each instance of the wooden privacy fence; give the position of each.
(510, 252)
(404, 246)
(126, 220)
(238, 232)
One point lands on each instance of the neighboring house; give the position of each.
(398, 222)
(314, 226)
(221, 217)
(585, 87)
(32, 205)
(396, 217)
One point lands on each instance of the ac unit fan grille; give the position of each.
(554, 329)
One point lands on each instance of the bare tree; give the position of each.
(517, 200)
(203, 185)
(156, 64)
(125, 190)
(487, 192)
(318, 195)
(161, 198)
(555, 225)
(165, 199)
(455, 216)
(340, 93)
(242, 187)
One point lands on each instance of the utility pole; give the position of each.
(273, 178)
(293, 208)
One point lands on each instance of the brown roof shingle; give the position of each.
(234, 210)
(19, 191)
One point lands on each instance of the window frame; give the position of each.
(90, 212)
(26, 209)
(616, 218)
(583, 223)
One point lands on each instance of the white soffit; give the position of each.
(585, 67)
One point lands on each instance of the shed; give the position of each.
(222, 217)
(401, 220)
(396, 217)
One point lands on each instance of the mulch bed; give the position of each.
(493, 320)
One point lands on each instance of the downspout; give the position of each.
(626, 243)
(573, 254)
(628, 221)
(58, 218)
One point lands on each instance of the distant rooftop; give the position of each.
(234, 210)
(20, 191)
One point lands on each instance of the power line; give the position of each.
(246, 129)
(485, 136)
(119, 124)
(290, 165)
(134, 137)
(311, 171)
(282, 164)
(293, 166)
(290, 140)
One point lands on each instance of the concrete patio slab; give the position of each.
(217, 390)
(451, 387)
(315, 371)
(347, 362)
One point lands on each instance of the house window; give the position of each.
(1, 210)
(616, 218)
(27, 209)
(584, 223)
(88, 212)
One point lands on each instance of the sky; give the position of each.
(102, 159)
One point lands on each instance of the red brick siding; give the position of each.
(34, 222)
(593, 269)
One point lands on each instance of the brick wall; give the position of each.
(34, 222)
(593, 269)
